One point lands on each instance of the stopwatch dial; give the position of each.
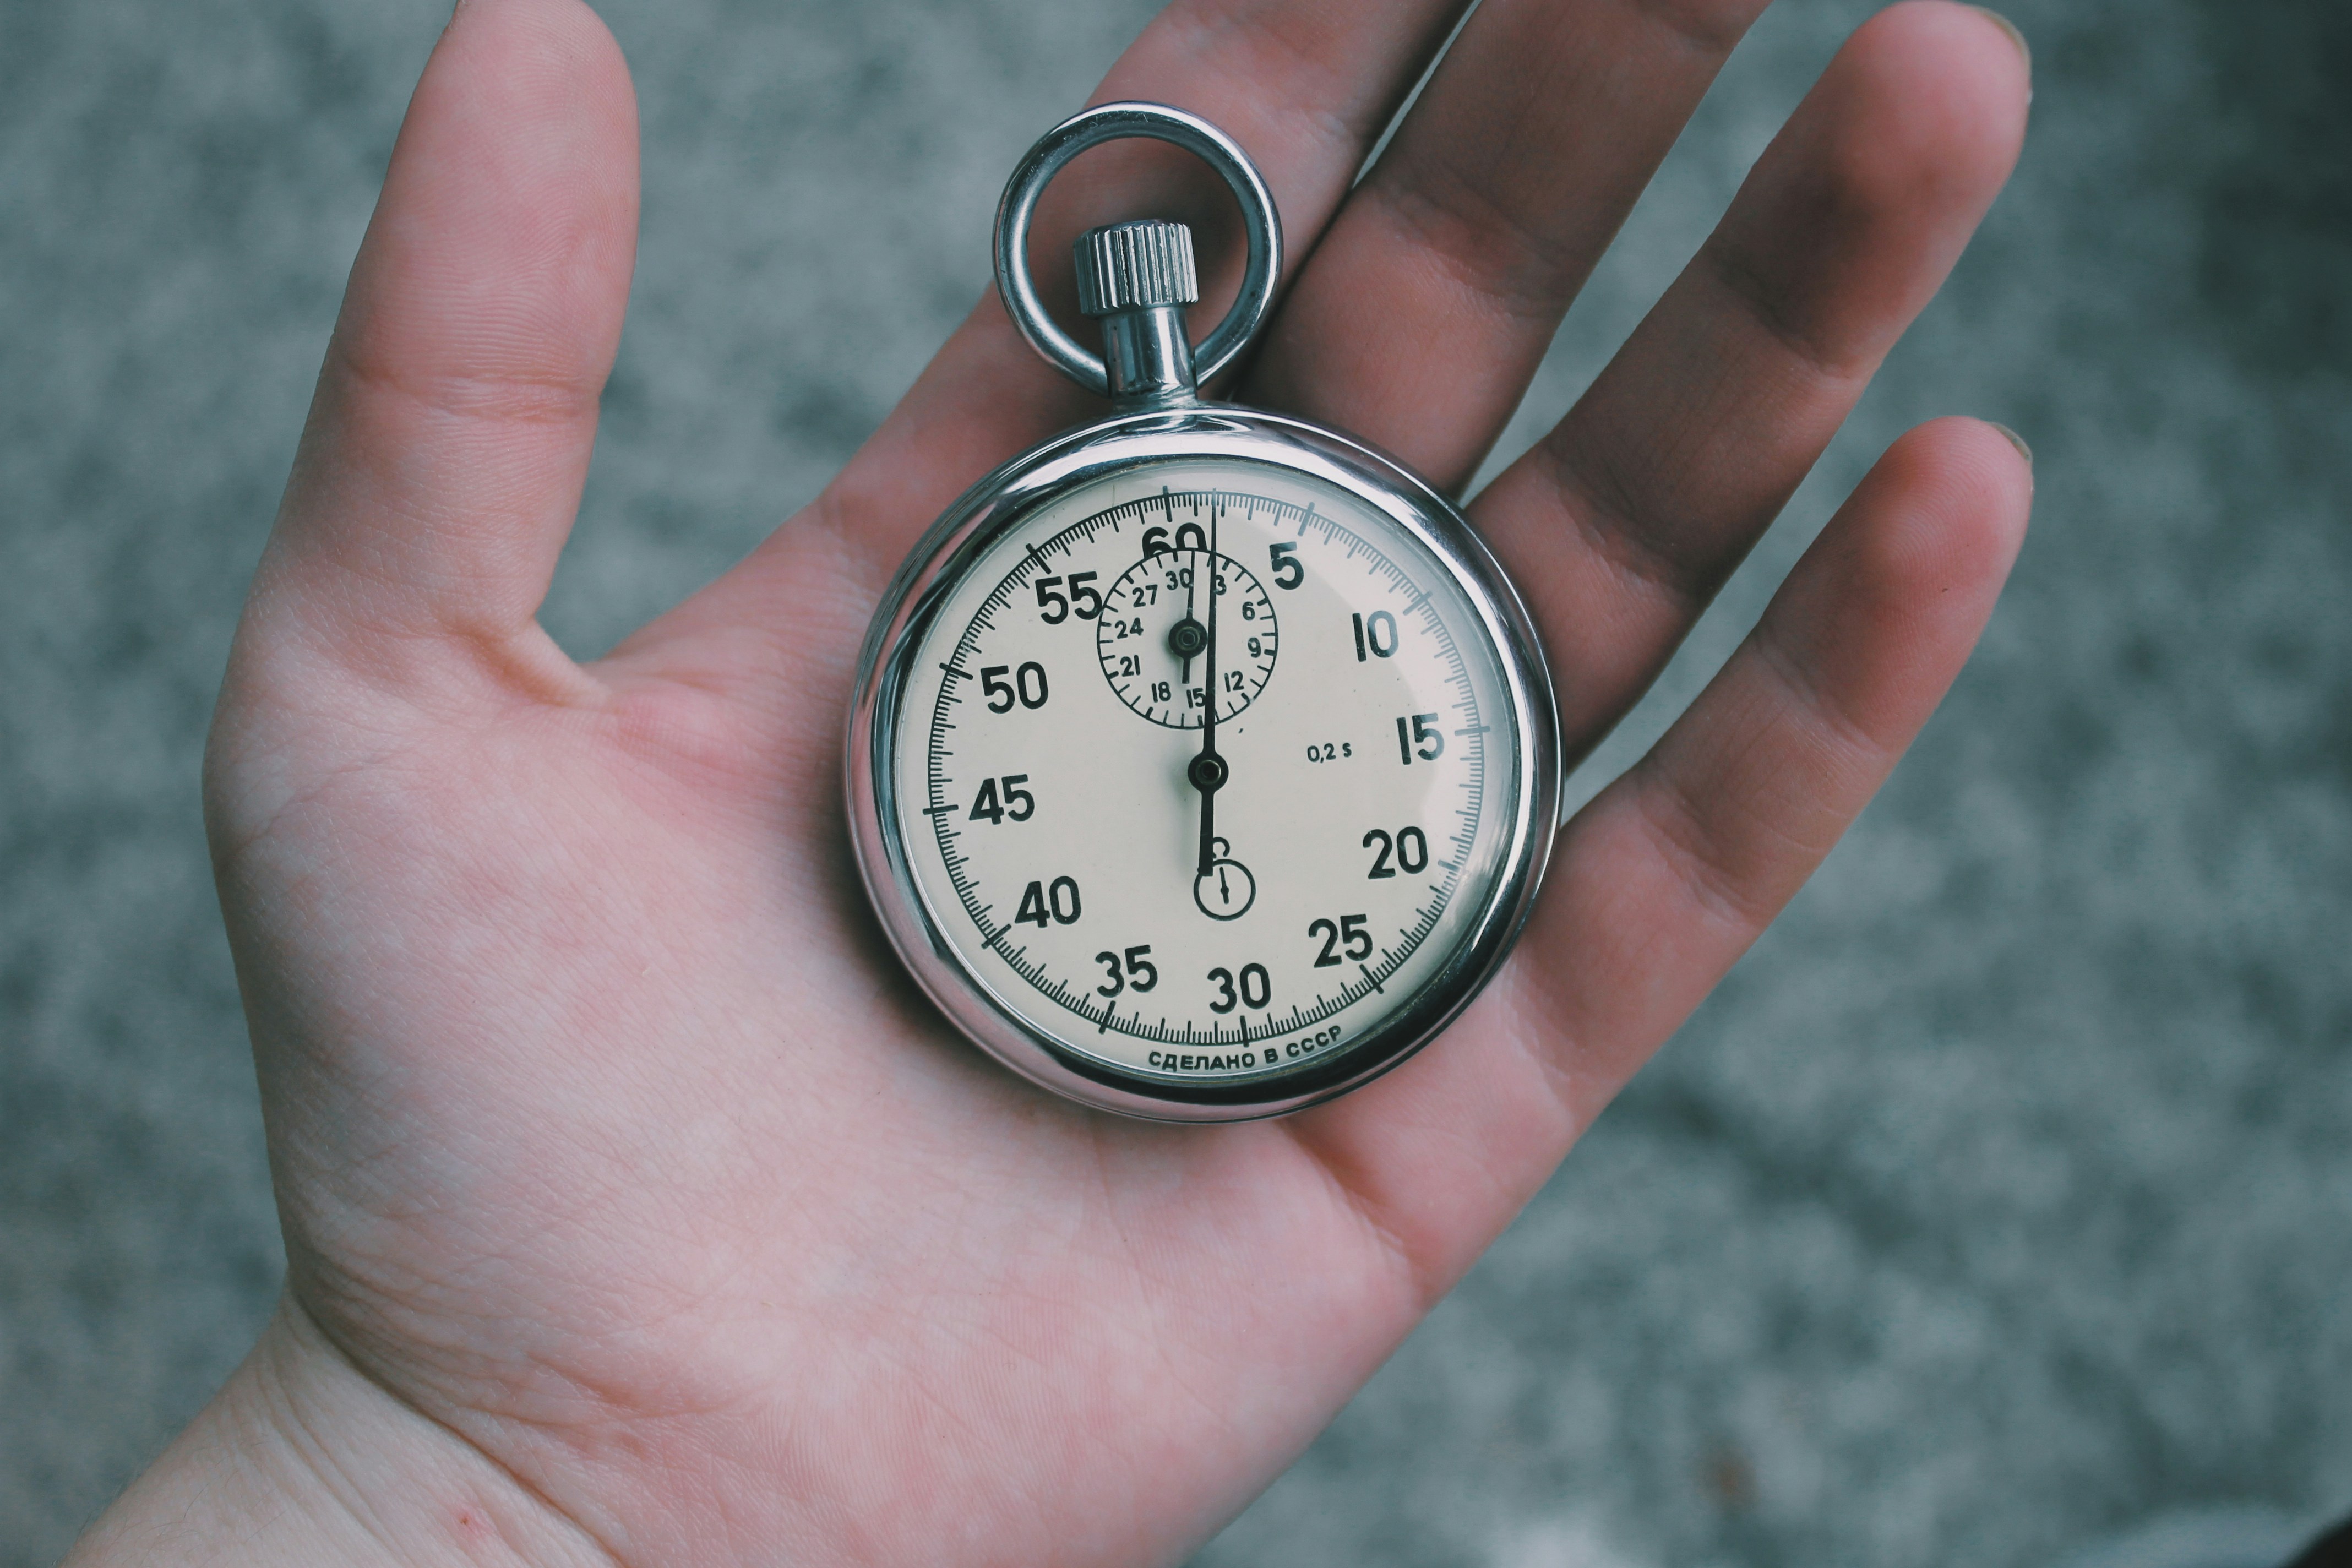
(1153, 637)
(1362, 801)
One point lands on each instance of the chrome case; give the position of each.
(999, 503)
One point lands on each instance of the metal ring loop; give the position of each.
(1113, 123)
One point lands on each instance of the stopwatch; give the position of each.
(1202, 763)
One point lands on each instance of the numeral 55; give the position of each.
(1054, 609)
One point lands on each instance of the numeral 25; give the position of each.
(1349, 930)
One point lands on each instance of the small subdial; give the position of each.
(1153, 637)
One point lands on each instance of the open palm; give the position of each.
(617, 1155)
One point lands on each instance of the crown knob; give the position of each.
(1135, 267)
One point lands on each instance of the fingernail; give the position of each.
(2017, 441)
(2023, 48)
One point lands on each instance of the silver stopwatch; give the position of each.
(1203, 762)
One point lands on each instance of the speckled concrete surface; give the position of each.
(2001, 1199)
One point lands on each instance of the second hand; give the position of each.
(1208, 769)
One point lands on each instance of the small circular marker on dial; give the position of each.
(1226, 890)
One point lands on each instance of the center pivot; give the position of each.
(1187, 638)
(1207, 772)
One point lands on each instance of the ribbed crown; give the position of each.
(1134, 266)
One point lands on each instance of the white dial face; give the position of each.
(1184, 897)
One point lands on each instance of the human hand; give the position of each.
(636, 1205)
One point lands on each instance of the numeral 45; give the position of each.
(1014, 802)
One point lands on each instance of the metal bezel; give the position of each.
(1001, 503)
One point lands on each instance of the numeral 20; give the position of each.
(1412, 853)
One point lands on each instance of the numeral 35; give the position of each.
(1138, 975)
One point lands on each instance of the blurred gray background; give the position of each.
(2001, 1199)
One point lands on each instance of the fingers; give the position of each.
(1421, 317)
(1305, 86)
(1662, 882)
(1699, 846)
(1621, 523)
(451, 432)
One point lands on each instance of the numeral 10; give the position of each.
(1376, 635)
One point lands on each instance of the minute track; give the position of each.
(1020, 619)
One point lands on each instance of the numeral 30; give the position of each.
(1253, 990)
